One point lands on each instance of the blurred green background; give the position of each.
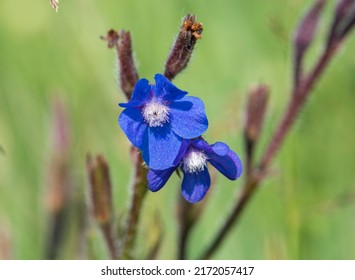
(305, 210)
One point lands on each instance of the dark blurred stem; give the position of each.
(139, 189)
(255, 177)
(297, 100)
(249, 147)
(184, 233)
(182, 244)
(110, 242)
(56, 234)
(247, 192)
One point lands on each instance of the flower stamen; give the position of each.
(194, 161)
(155, 114)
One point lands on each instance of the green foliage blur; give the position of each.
(304, 210)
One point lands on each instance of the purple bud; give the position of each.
(256, 108)
(305, 32)
(342, 22)
(304, 36)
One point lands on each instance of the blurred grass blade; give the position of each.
(58, 187)
(101, 199)
(6, 251)
(55, 4)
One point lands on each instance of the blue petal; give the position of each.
(140, 95)
(229, 165)
(195, 185)
(222, 158)
(184, 146)
(218, 148)
(161, 148)
(188, 117)
(158, 178)
(133, 125)
(166, 89)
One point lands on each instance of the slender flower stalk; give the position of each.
(299, 95)
(139, 191)
(128, 77)
(188, 214)
(158, 233)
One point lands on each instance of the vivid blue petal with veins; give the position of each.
(229, 165)
(133, 125)
(188, 117)
(222, 158)
(195, 185)
(158, 178)
(140, 95)
(166, 89)
(162, 147)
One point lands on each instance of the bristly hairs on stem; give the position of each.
(127, 72)
(128, 77)
(179, 57)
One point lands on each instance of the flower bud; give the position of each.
(256, 108)
(127, 72)
(304, 36)
(100, 188)
(344, 8)
(190, 32)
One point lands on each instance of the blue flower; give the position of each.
(192, 160)
(158, 117)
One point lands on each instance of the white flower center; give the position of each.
(194, 161)
(155, 113)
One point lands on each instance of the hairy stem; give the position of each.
(109, 239)
(139, 189)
